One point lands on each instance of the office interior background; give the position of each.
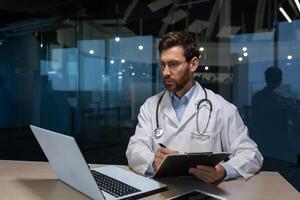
(84, 67)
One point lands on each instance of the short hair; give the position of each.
(273, 76)
(182, 39)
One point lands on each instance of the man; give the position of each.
(186, 128)
(271, 98)
(275, 116)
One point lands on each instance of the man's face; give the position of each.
(176, 71)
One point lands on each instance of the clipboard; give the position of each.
(179, 164)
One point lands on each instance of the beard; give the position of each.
(173, 86)
(170, 85)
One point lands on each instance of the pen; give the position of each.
(162, 145)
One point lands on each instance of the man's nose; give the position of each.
(166, 71)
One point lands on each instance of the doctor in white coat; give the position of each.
(189, 118)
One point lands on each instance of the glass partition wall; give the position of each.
(84, 68)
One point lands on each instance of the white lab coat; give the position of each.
(226, 129)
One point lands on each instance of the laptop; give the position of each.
(108, 182)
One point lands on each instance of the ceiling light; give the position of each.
(297, 4)
(132, 73)
(285, 15)
(92, 51)
(201, 49)
(141, 47)
(289, 57)
(240, 59)
(123, 61)
(245, 54)
(244, 48)
(112, 62)
(117, 39)
(206, 68)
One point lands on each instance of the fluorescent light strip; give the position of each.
(285, 15)
(297, 4)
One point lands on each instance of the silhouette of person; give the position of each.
(271, 96)
(275, 117)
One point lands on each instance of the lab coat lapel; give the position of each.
(168, 110)
(191, 109)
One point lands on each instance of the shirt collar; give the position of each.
(188, 95)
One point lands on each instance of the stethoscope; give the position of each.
(158, 132)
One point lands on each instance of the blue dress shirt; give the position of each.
(180, 104)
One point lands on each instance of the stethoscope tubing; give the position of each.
(158, 132)
(157, 107)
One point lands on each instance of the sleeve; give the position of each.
(140, 148)
(245, 156)
(231, 173)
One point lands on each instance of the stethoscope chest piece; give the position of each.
(158, 132)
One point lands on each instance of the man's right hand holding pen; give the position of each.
(160, 154)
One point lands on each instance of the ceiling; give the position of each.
(210, 20)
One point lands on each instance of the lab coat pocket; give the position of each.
(208, 141)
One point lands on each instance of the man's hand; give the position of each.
(208, 174)
(159, 156)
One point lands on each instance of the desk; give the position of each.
(28, 180)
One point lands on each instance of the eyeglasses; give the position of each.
(172, 64)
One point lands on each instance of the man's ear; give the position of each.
(194, 63)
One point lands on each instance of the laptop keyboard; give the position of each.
(112, 186)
